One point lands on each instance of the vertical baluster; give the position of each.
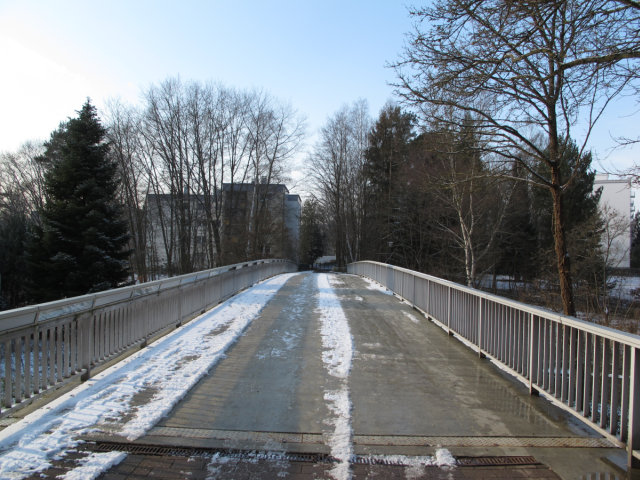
(73, 346)
(480, 326)
(28, 372)
(557, 390)
(521, 343)
(605, 394)
(588, 378)
(498, 330)
(51, 353)
(449, 311)
(120, 343)
(580, 367)
(501, 332)
(564, 364)
(541, 350)
(37, 357)
(616, 360)
(526, 343)
(508, 337)
(633, 442)
(548, 357)
(533, 349)
(58, 337)
(8, 381)
(573, 363)
(597, 384)
(626, 393)
(102, 340)
(18, 360)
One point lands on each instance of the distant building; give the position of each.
(176, 236)
(260, 220)
(617, 197)
(292, 215)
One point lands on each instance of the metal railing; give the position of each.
(43, 346)
(589, 370)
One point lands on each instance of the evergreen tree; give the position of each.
(580, 201)
(80, 247)
(389, 143)
(516, 248)
(581, 219)
(14, 226)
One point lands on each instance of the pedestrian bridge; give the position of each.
(382, 371)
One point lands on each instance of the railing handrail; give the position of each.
(590, 327)
(32, 314)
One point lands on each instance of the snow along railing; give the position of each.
(589, 370)
(43, 346)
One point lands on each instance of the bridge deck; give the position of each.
(412, 389)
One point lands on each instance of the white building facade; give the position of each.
(616, 204)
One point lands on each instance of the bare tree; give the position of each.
(275, 131)
(521, 68)
(123, 131)
(336, 168)
(477, 201)
(23, 173)
(177, 151)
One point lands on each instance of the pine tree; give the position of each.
(81, 245)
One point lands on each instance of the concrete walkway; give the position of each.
(261, 412)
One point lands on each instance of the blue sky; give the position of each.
(315, 55)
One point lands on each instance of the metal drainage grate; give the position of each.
(495, 461)
(156, 450)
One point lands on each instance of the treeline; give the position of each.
(171, 154)
(432, 200)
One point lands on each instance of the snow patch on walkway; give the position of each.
(166, 370)
(337, 355)
(411, 317)
(373, 285)
(416, 464)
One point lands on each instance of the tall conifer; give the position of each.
(81, 245)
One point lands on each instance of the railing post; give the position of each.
(428, 299)
(85, 327)
(414, 301)
(533, 344)
(633, 439)
(480, 328)
(449, 310)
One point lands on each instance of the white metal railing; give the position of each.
(42, 346)
(589, 370)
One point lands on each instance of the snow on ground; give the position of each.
(373, 285)
(165, 370)
(416, 465)
(625, 287)
(337, 354)
(411, 317)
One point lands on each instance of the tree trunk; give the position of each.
(562, 255)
